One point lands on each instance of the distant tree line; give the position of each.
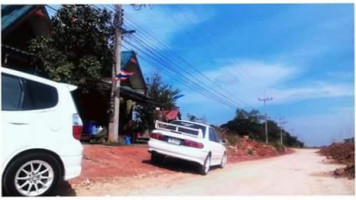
(252, 124)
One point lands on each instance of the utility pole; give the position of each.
(113, 134)
(264, 101)
(281, 123)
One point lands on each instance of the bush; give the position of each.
(280, 147)
(250, 152)
(232, 139)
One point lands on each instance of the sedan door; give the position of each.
(215, 154)
(219, 148)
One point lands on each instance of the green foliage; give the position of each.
(252, 124)
(278, 146)
(161, 93)
(79, 49)
(232, 139)
(246, 123)
(107, 143)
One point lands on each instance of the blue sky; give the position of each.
(302, 55)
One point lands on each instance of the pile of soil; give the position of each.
(247, 148)
(101, 162)
(343, 153)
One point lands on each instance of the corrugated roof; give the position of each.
(10, 14)
(126, 57)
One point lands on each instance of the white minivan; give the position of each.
(40, 131)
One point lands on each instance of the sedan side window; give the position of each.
(217, 137)
(11, 92)
(211, 135)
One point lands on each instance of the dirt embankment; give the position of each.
(343, 153)
(247, 149)
(102, 162)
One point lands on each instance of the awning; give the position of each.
(127, 91)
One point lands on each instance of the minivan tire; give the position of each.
(47, 166)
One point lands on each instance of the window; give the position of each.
(217, 137)
(212, 135)
(189, 125)
(39, 96)
(11, 92)
(23, 94)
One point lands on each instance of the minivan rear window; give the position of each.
(23, 94)
(39, 96)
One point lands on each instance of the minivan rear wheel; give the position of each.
(31, 175)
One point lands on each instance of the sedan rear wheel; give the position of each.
(156, 158)
(204, 169)
(223, 161)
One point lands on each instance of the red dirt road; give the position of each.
(127, 170)
(301, 173)
(107, 162)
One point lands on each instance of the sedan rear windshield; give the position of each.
(189, 125)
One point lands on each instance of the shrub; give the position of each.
(280, 147)
(232, 139)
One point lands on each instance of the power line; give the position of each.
(214, 98)
(209, 41)
(226, 99)
(224, 47)
(195, 87)
(173, 54)
(169, 60)
(197, 81)
(212, 42)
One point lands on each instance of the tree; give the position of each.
(79, 50)
(162, 94)
(251, 124)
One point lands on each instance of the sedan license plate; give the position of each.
(173, 141)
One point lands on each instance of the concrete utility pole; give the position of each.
(281, 123)
(113, 134)
(264, 101)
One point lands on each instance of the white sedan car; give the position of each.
(189, 141)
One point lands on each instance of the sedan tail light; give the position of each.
(157, 136)
(190, 143)
(77, 126)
